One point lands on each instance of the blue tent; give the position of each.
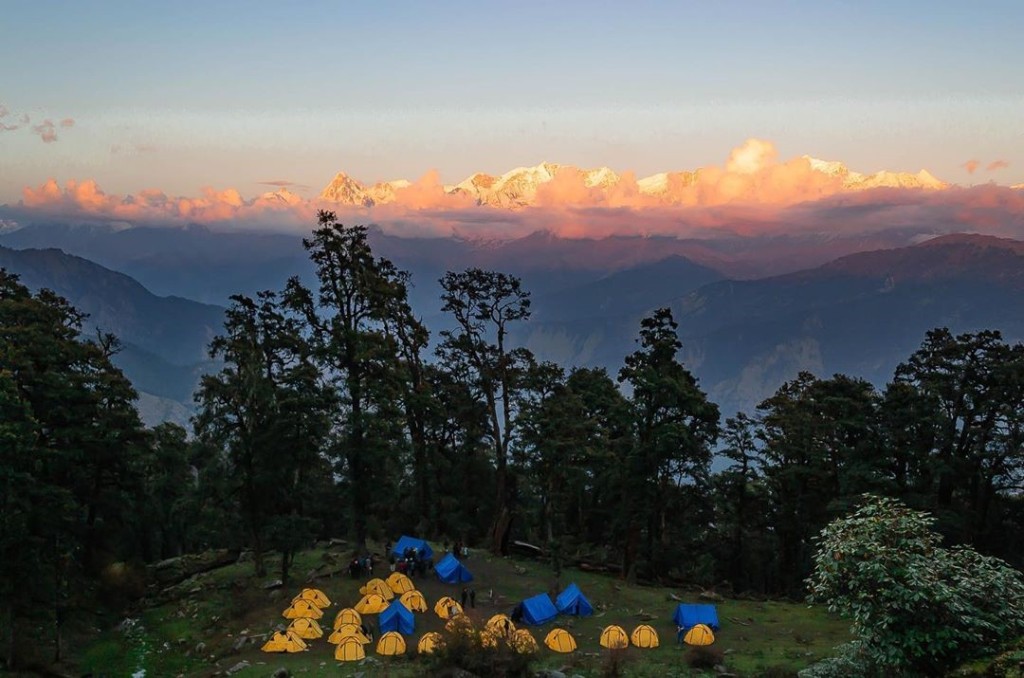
(572, 601)
(396, 617)
(689, 616)
(422, 547)
(451, 571)
(539, 609)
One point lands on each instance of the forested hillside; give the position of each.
(331, 417)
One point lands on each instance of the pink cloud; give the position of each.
(996, 165)
(46, 130)
(67, 122)
(971, 166)
(753, 193)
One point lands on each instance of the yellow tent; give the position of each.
(460, 623)
(371, 603)
(315, 596)
(348, 631)
(429, 642)
(489, 638)
(390, 644)
(699, 635)
(645, 636)
(378, 586)
(399, 583)
(614, 638)
(284, 642)
(349, 650)
(347, 616)
(307, 629)
(501, 624)
(414, 601)
(446, 608)
(559, 640)
(524, 642)
(303, 609)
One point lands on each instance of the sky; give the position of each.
(184, 95)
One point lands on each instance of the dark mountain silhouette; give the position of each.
(164, 338)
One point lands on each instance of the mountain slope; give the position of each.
(164, 339)
(861, 314)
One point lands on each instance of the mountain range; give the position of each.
(518, 187)
(859, 307)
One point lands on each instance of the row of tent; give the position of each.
(540, 610)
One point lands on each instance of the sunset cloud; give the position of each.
(753, 193)
(67, 122)
(971, 166)
(996, 165)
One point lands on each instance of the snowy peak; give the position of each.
(518, 188)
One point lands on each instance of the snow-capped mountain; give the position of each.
(883, 179)
(518, 187)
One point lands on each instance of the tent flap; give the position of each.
(572, 601)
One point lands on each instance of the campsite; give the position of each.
(219, 620)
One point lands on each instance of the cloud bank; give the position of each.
(752, 194)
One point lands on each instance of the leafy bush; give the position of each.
(464, 650)
(917, 608)
(704, 657)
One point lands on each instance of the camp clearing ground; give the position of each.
(198, 628)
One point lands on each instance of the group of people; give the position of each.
(468, 595)
(412, 562)
(459, 550)
(361, 566)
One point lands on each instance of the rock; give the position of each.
(550, 673)
(245, 557)
(282, 673)
(200, 648)
(275, 584)
(240, 644)
(711, 596)
(337, 542)
(672, 596)
(240, 666)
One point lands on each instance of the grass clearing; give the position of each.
(198, 634)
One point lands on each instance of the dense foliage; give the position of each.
(917, 608)
(335, 415)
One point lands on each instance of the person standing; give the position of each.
(465, 597)
(472, 598)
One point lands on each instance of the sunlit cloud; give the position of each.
(753, 193)
(996, 165)
(971, 166)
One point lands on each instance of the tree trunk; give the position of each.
(9, 645)
(257, 554)
(286, 561)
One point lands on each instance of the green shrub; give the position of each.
(917, 608)
(464, 650)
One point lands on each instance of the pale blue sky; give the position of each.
(183, 94)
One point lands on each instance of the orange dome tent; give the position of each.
(414, 601)
(524, 642)
(307, 629)
(349, 650)
(645, 636)
(700, 634)
(378, 586)
(400, 583)
(390, 644)
(447, 607)
(429, 642)
(348, 631)
(303, 609)
(614, 638)
(315, 596)
(371, 603)
(347, 616)
(284, 642)
(560, 640)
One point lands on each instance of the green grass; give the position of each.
(230, 601)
